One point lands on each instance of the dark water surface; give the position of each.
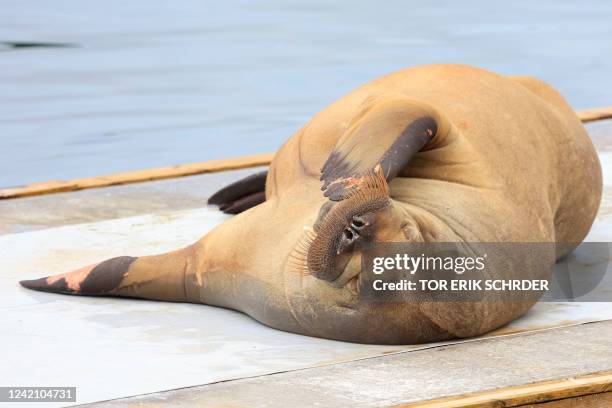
(143, 84)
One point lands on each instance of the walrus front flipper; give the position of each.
(389, 131)
(157, 277)
(242, 194)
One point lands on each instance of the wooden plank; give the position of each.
(591, 115)
(160, 173)
(525, 394)
(586, 401)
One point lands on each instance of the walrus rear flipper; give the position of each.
(157, 277)
(242, 194)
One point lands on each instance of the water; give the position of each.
(159, 83)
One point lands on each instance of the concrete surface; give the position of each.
(402, 378)
(140, 346)
(38, 212)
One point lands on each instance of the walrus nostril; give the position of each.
(357, 223)
(348, 234)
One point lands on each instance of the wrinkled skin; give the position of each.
(509, 161)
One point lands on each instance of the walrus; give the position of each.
(436, 153)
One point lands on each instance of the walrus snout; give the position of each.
(342, 226)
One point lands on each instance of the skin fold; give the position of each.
(437, 153)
